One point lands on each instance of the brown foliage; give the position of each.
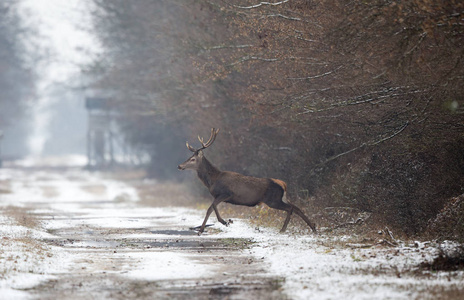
(449, 223)
(357, 104)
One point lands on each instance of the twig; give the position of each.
(315, 76)
(247, 58)
(391, 136)
(386, 242)
(360, 245)
(281, 16)
(372, 143)
(390, 234)
(227, 47)
(359, 221)
(261, 4)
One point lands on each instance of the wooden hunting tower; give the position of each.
(100, 134)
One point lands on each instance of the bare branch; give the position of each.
(281, 16)
(261, 4)
(371, 97)
(391, 136)
(247, 58)
(315, 76)
(372, 143)
(227, 47)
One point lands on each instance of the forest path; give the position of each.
(96, 241)
(66, 233)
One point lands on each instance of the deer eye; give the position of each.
(193, 159)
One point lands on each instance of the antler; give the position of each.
(204, 145)
(190, 147)
(214, 133)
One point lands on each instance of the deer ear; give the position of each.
(200, 154)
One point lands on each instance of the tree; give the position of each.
(16, 80)
(367, 94)
(356, 104)
(12, 70)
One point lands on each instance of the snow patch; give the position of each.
(155, 265)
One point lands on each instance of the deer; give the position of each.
(238, 189)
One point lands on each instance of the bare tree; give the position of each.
(359, 104)
(15, 80)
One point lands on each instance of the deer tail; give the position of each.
(281, 183)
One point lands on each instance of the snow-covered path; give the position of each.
(70, 234)
(66, 233)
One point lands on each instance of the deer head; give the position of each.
(194, 161)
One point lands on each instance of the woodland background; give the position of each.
(354, 104)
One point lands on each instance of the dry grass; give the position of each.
(21, 216)
(168, 194)
(94, 189)
(127, 175)
(22, 255)
(153, 193)
(260, 215)
(449, 222)
(5, 187)
(49, 191)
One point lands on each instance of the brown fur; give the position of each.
(281, 183)
(238, 189)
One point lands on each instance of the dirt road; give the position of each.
(66, 233)
(95, 241)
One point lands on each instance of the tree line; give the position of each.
(16, 79)
(353, 103)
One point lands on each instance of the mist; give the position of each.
(366, 119)
(54, 48)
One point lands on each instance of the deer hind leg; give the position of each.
(290, 209)
(304, 217)
(280, 205)
(289, 214)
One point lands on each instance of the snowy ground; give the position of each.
(68, 233)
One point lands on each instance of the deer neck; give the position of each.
(207, 173)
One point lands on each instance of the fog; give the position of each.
(348, 117)
(56, 47)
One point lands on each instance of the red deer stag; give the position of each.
(238, 189)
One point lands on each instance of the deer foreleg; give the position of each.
(210, 210)
(219, 217)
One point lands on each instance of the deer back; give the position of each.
(245, 190)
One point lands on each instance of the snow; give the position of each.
(174, 266)
(67, 187)
(19, 257)
(312, 267)
(26, 263)
(314, 271)
(74, 160)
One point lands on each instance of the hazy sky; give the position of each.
(63, 28)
